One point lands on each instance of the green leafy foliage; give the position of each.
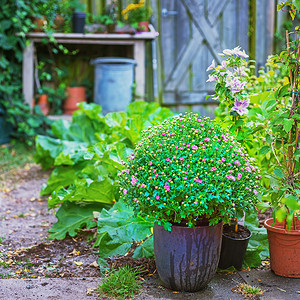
(88, 152)
(258, 247)
(15, 23)
(72, 217)
(119, 228)
(187, 168)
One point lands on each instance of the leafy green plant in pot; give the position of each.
(190, 175)
(283, 115)
(109, 18)
(231, 78)
(137, 14)
(77, 78)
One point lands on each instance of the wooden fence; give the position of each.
(192, 33)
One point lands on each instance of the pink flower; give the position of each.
(241, 107)
(153, 170)
(199, 180)
(223, 159)
(167, 187)
(201, 124)
(212, 66)
(181, 158)
(194, 147)
(125, 191)
(248, 169)
(213, 169)
(156, 175)
(181, 148)
(143, 185)
(127, 171)
(203, 159)
(150, 163)
(254, 192)
(216, 148)
(237, 163)
(206, 139)
(230, 177)
(168, 159)
(163, 133)
(133, 180)
(185, 178)
(239, 176)
(176, 147)
(157, 197)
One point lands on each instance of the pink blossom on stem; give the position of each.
(167, 187)
(237, 163)
(133, 180)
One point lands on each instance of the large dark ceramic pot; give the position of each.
(187, 258)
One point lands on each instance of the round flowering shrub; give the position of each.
(188, 169)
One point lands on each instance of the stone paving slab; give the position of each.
(274, 287)
(47, 288)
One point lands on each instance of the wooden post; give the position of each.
(139, 56)
(28, 70)
(252, 31)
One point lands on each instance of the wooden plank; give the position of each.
(28, 70)
(243, 24)
(216, 8)
(187, 97)
(180, 66)
(139, 56)
(260, 48)
(168, 27)
(230, 25)
(209, 33)
(184, 30)
(94, 36)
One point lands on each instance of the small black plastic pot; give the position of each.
(78, 19)
(233, 250)
(5, 128)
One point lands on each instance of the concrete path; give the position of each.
(274, 287)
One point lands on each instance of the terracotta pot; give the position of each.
(284, 248)
(143, 26)
(58, 23)
(111, 28)
(44, 104)
(75, 96)
(187, 258)
(40, 23)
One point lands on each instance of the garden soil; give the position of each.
(34, 267)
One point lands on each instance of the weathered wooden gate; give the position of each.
(192, 33)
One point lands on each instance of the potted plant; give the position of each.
(137, 15)
(109, 18)
(231, 78)
(283, 115)
(76, 80)
(78, 15)
(190, 175)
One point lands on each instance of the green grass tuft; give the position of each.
(121, 284)
(248, 290)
